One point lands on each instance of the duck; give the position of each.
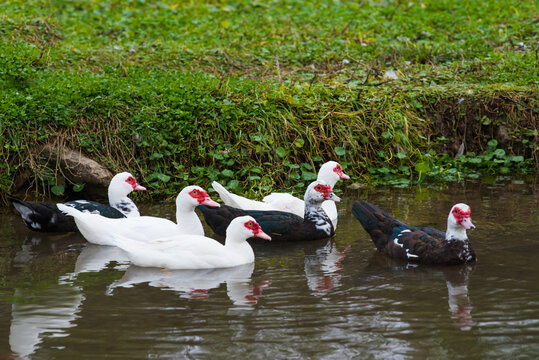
(196, 251)
(330, 172)
(45, 217)
(98, 229)
(422, 245)
(281, 225)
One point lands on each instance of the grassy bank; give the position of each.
(258, 94)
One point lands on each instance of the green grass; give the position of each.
(257, 94)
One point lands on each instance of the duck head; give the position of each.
(243, 228)
(458, 222)
(319, 191)
(331, 172)
(121, 185)
(192, 196)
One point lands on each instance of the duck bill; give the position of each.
(210, 202)
(344, 176)
(263, 235)
(139, 187)
(467, 223)
(333, 197)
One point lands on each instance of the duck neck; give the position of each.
(188, 221)
(315, 214)
(331, 180)
(123, 204)
(115, 196)
(239, 248)
(455, 232)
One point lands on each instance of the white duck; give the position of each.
(195, 251)
(98, 229)
(330, 172)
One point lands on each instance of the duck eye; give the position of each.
(250, 224)
(195, 192)
(318, 187)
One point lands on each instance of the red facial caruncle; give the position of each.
(460, 215)
(253, 226)
(338, 170)
(324, 189)
(199, 194)
(131, 181)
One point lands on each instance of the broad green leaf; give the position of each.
(499, 153)
(493, 143)
(78, 187)
(58, 190)
(340, 151)
(163, 177)
(281, 152)
(233, 184)
(228, 173)
(155, 156)
(308, 176)
(299, 142)
(422, 167)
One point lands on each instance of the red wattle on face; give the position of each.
(133, 182)
(257, 230)
(199, 194)
(254, 226)
(325, 190)
(460, 215)
(338, 170)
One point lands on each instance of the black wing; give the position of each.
(96, 208)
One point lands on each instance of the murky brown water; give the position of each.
(62, 299)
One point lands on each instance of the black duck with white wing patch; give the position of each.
(424, 245)
(280, 225)
(45, 217)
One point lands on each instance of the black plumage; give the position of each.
(401, 241)
(45, 217)
(280, 225)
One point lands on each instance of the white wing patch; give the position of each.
(396, 242)
(91, 212)
(319, 217)
(323, 225)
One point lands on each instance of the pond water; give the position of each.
(61, 298)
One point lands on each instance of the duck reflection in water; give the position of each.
(456, 277)
(94, 258)
(40, 312)
(460, 306)
(323, 269)
(196, 284)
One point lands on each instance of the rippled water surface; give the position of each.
(61, 298)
